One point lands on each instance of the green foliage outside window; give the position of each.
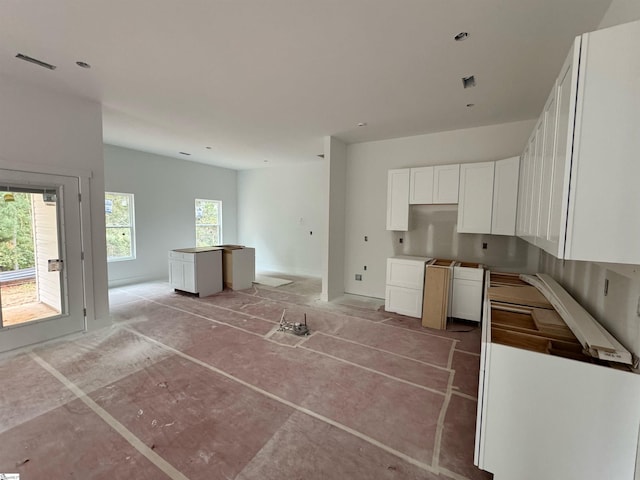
(208, 213)
(16, 233)
(119, 225)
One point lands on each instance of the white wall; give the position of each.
(618, 310)
(621, 11)
(367, 165)
(278, 208)
(57, 133)
(164, 191)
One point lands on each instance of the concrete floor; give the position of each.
(206, 388)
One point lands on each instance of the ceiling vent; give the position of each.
(468, 82)
(35, 61)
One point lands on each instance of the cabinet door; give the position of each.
(421, 186)
(446, 180)
(566, 99)
(547, 166)
(505, 196)
(405, 301)
(176, 274)
(521, 189)
(536, 180)
(189, 275)
(467, 299)
(476, 197)
(398, 200)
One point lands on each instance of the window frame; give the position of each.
(131, 227)
(219, 224)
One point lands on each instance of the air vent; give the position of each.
(35, 61)
(468, 82)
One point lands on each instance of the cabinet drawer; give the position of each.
(465, 273)
(185, 257)
(405, 273)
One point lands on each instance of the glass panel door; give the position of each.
(41, 271)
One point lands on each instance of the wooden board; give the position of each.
(436, 297)
(519, 295)
(506, 279)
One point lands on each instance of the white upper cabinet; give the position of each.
(603, 218)
(421, 190)
(505, 196)
(475, 197)
(581, 181)
(446, 179)
(398, 199)
(438, 184)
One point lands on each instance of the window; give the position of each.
(118, 212)
(208, 219)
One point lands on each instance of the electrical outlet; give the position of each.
(366, 239)
(365, 268)
(358, 277)
(484, 245)
(606, 287)
(400, 240)
(310, 233)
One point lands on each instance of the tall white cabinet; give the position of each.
(475, 197)
(579, 175)
(398, 199)
(505, 196)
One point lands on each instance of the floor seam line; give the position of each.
(422, 387)
(290, 404)
(198, 315)
(118, 427)
(337, 337)
(440, 426)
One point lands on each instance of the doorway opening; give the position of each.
(30, 278)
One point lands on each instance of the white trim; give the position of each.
(48, 169)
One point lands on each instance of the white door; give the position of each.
(55, 306)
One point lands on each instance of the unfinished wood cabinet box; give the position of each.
(437, 293)
(238, 266)
(546, 407)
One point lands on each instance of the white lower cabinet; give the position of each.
(546, 413)
(196, 270)
(467, 292)
(405, 285)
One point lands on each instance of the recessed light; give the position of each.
(362, 124)
(470, 104)
(208, 148)
(184, 153)
(35, 61)
(83, 64)
(266, 161)
(461, 36)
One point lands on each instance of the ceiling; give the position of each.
(261, 82)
